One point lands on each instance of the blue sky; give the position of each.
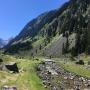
(15, 14)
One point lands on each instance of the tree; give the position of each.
(48, 39)
(88, 38)
(36, 51)
(84, 41)
(88, 62)
(40, 47)
(77, 43)
(45, 43)
(63, 49)
(1, 60)
(73, 52)
(32, 55)
(67, 46)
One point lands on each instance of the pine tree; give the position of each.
(63, 49)
(88, 37)
(67, 46)
(73, 52)
(77, 43)
(36, 51)
(84, 41)
(40, 47)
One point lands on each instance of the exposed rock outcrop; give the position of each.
(12, 67)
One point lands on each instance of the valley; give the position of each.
(46, 74)
(51, 52)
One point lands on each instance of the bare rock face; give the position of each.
(12, 67)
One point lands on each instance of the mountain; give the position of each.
(60, 31)
(3, 43)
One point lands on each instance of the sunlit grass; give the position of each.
(26, 80)
(76, 69)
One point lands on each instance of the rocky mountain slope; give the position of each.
(56, 32)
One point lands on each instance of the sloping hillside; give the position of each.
(54, 49)
(72, 17)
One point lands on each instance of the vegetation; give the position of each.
(19, 47)
(50, 34)
(27, 79)
(72, 67)
(89, 63)
(80, 62)
(71, 18)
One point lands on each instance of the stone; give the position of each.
(12, 67)
(9, 88)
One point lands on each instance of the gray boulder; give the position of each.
(12, 67)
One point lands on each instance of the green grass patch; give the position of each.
(38, 42)
(77, 69)
(25, 80)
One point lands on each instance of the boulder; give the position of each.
(12, 67)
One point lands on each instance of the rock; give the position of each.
(9, 88)
(53, 88)
(65, 77)
(48, 61)
(88, 83)
(45, 86)
(12, 67)
(51, 74)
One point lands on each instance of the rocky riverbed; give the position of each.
(56, 78)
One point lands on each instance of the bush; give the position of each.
(89, 63)
(72, 58)
(81, 62)
(1, 60)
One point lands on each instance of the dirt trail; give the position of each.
(56, 78)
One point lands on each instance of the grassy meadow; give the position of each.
(27, 79)
(71, 66)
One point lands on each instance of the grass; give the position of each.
(33, 82)
(80, 70)
(38, 42)
(26, 80)
(54, 39)
(7, 58)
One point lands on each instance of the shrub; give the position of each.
(81, 62)
(89, 63)
(72, 58)
(1, 60)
